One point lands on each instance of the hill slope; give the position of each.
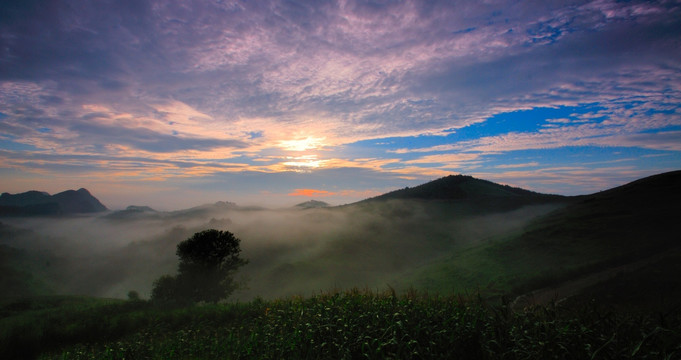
(631, 220)
(593, 233)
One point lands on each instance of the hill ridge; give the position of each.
(460, 187)
(34, 203)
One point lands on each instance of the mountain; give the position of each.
(312, 204)
(33, 203)
(136, 208)
(24, 199)
(133, 212)
(80, 201)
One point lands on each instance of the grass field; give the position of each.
(334, 325)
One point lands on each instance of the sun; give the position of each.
(308, 143)
(303, 158)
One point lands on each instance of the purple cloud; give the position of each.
(245, 77)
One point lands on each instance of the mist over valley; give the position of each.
(300, 250)
(454, 234)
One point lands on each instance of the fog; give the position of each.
(291, 251)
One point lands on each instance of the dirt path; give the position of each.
(573, 287)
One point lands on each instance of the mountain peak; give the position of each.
(139, 209)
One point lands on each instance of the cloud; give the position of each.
(275, 86)
(311, 193)
(569, 180)
(514, 166)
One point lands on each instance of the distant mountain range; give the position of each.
(312, 204)
(486, 196)
(34, 203)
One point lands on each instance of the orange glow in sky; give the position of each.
(311, 193)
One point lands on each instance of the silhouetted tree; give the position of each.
(133, 295)
(208, 261)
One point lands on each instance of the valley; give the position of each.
(456, 237)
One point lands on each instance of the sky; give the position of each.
(173, 104)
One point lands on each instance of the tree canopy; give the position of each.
(208, 261)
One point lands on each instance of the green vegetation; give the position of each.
(335, 325)
(18, 272)
(612, 258)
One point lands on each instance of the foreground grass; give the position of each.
(348, 325)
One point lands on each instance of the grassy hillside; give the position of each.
(372, 243)
(651, 287)
(336, 325)
(592, 233)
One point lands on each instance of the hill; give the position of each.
(620, 228)
(627, 222)
(459, 187)
(311, 204)
(587, 261)
(34, 203)
(133, 212)
(494, 239)
(459, 196)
